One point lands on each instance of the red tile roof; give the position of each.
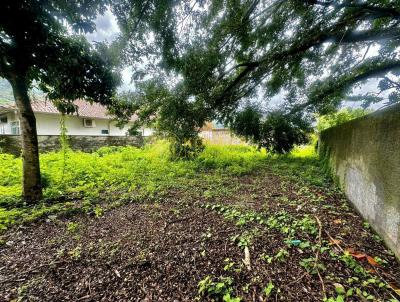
(7, 107)
(85, 109)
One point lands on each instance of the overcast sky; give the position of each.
(106, 31)
(106, 28)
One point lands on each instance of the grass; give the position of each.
(77, 181)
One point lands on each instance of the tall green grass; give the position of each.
(123, 168)
(129, 173)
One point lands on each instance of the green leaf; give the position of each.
(339, 288)
(268, 289)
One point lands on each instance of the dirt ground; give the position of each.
(258, 237)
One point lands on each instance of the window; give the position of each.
(3, 119)
(104, 131)
(88, 123)
(15, 128)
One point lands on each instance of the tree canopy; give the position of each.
(221, 53)
(40, 44)
(41, 41)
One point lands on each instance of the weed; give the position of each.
(268, 289)
(307, 224)
(267, 258)
(116, 174)
(311, 265)
(76, 252)
(220, 288)
(98, 211)
(246, 238)
(282, 255)
(228, 264)
(72, 227)
(231, 266)
(60, 253)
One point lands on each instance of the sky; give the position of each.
(106, 28)
(106, 31)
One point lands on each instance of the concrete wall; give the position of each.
(220, 137)
(12, 143)
(364, 155)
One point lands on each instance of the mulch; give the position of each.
(161, 251)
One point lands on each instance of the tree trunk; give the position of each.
(32, 188)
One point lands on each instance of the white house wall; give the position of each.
(49, 124)
(115, 131)
(147, 132)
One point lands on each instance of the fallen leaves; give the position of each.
(361, 256)
(372, 261)
(395, 288)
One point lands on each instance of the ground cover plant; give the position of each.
(234, 224)
(122, 173)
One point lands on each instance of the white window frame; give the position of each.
(85, 124)
(3, 116)
(15, 128)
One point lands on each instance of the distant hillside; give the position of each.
(6, 95)
(4, 102)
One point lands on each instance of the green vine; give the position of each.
(64, 143)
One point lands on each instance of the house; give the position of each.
(90, 120)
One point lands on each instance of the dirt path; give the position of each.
(259, 237)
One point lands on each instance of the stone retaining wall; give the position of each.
(12, 143)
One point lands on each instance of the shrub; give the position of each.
(339, 117)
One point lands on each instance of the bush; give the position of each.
(339, 117)
(280, 132)
(189, 149)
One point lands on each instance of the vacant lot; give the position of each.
(127, 224)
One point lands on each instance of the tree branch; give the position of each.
(378, 11)
(393, 82)
(366, 35)
(358, 75)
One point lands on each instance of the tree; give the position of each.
(277, 132)
(224, 52)
(36, 47)
(166, 110)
